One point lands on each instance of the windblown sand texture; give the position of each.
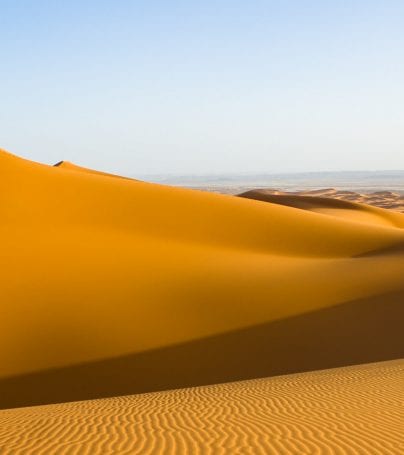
(112, 286)
(354, 410)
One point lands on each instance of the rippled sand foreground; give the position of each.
(351, 410)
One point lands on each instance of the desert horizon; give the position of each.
(389, 180)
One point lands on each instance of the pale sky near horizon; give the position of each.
(180, 87)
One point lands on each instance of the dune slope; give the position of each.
(392, 200)
(100, 271)
(351, 410)
(327, 205)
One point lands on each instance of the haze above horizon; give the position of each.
(204, 88)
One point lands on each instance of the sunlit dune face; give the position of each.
(329, 198)
(99, 269)
(344, 204)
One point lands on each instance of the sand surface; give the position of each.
(112, 286)
(383, 199)
(353, 410)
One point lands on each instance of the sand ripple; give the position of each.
(351, 410)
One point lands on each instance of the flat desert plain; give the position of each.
(154, 302)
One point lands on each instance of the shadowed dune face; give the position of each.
(353, 410)
(103, 275)
(367, 330)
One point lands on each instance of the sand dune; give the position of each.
(383, 199)
(352, 410)
(67, 165)
(327, 205)
(115, 286)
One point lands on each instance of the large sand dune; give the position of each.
(355, 410)
(114, 286)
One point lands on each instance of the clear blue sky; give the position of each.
(192, 87)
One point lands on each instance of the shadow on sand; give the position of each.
(361, 331)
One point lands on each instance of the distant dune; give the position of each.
(113, 286)
(354, 410)
(383, 199)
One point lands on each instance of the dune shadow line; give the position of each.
(303, 202)
(361, 331)
(395, 248)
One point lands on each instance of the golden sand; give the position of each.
(353, 410)
(113, 286)
(383, 199)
